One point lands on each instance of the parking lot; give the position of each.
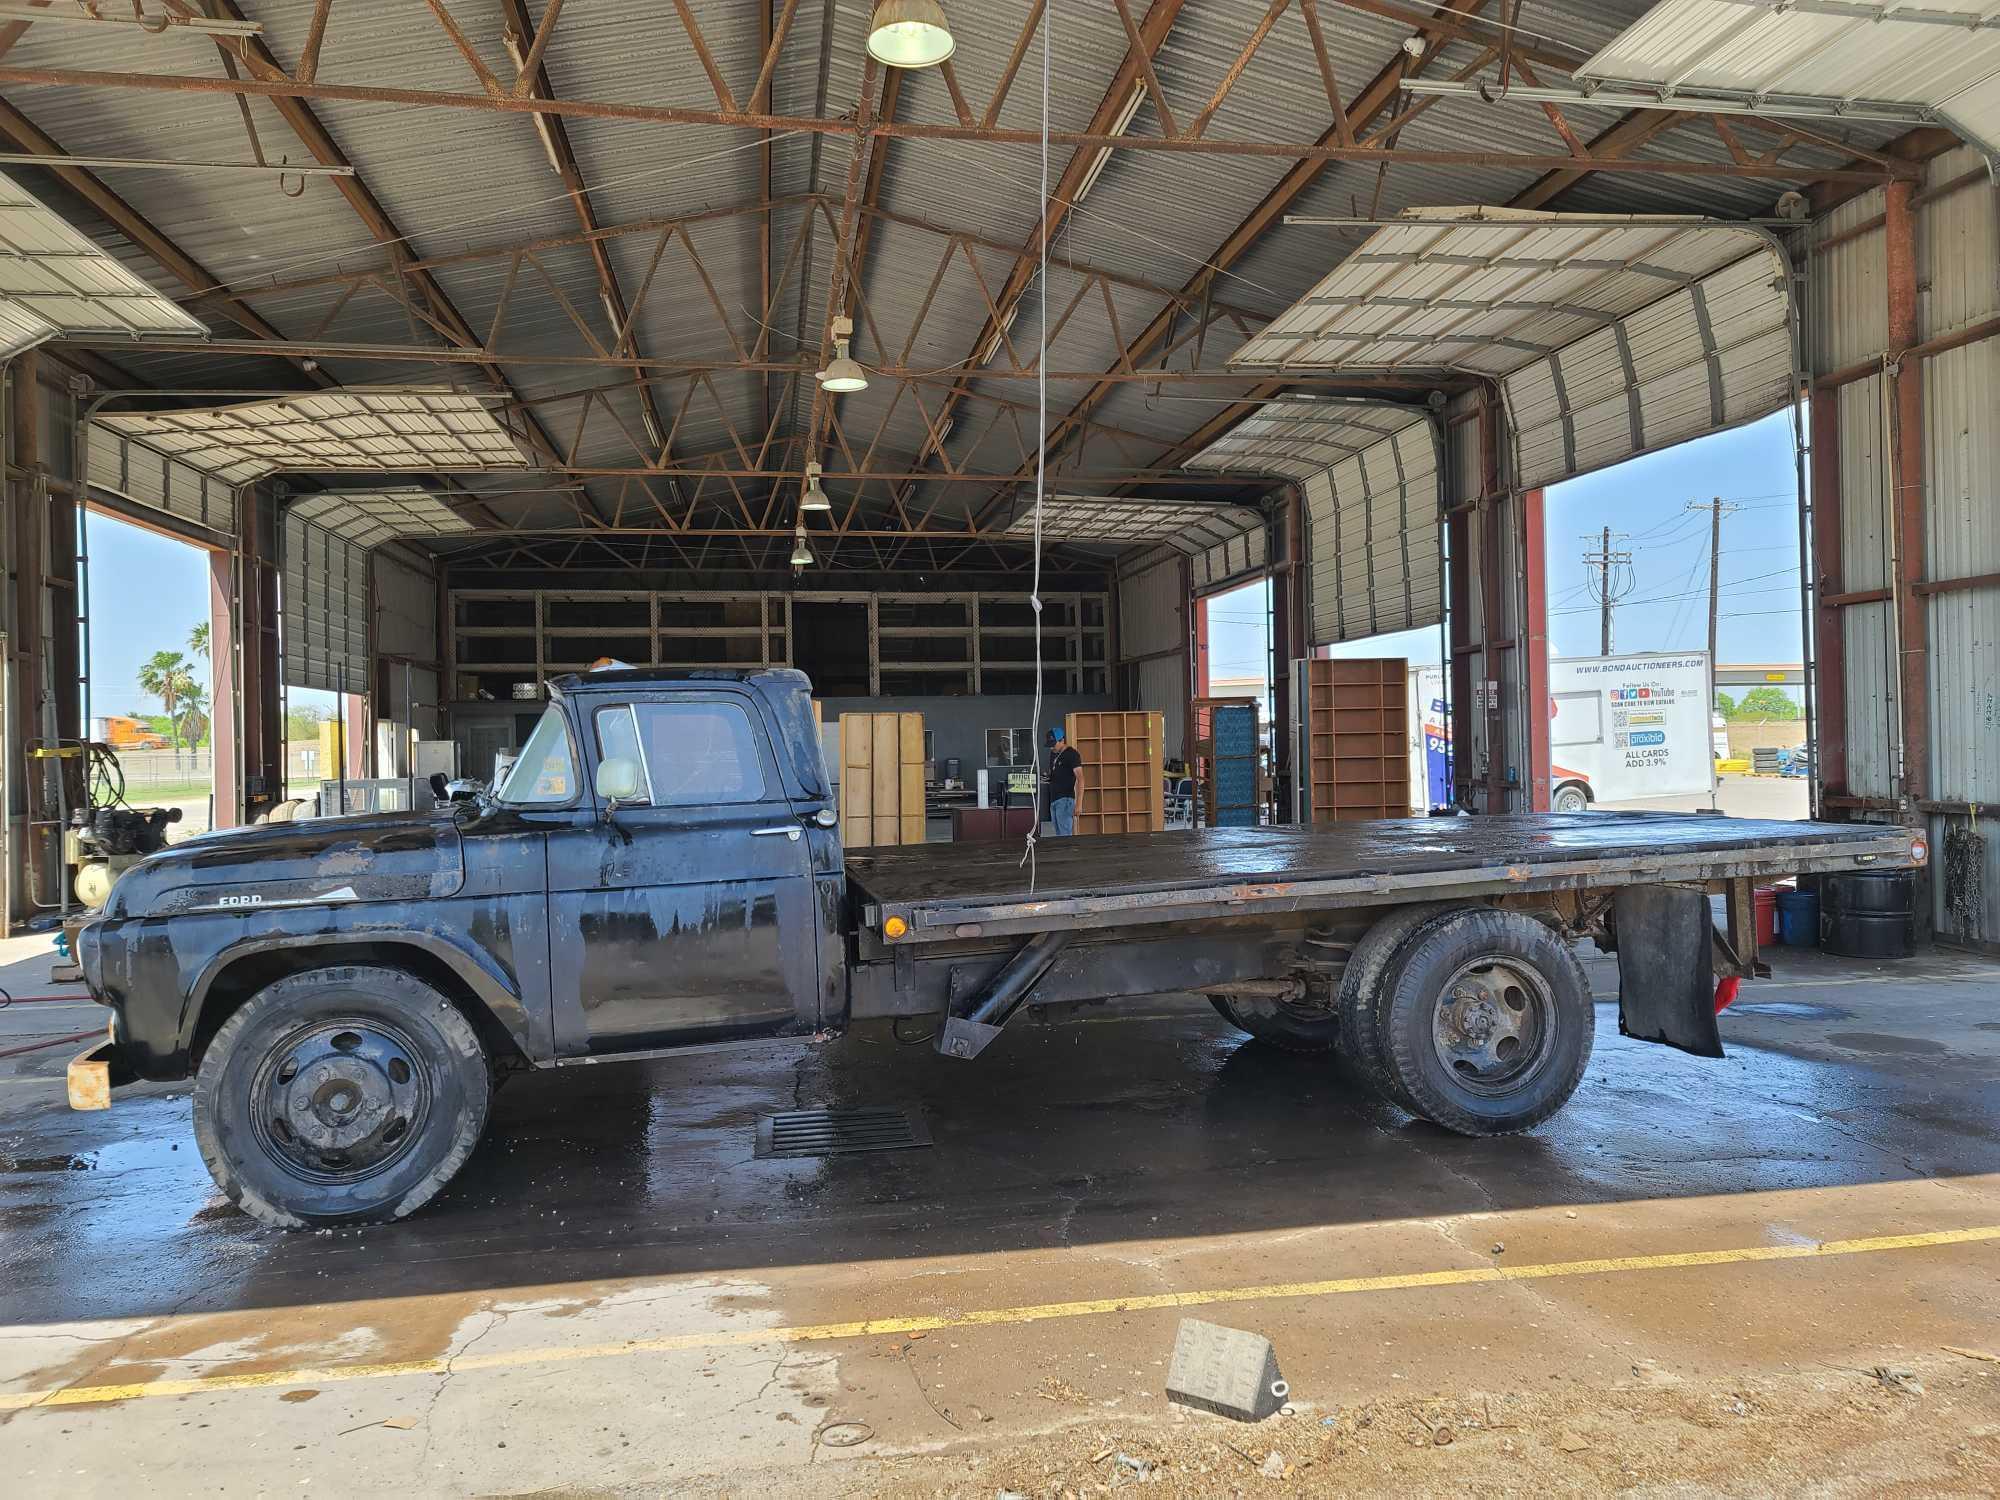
(1773, 1271)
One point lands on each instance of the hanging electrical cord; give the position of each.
(1041, 444)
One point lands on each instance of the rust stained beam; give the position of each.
(282, 86)
(563, 154)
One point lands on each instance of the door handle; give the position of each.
(790, 831)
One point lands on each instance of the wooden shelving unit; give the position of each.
(1357, 734)
(1124, 771)
(881, 780)
(920, 645)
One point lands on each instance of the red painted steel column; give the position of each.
(1535, 631)
(225, 694)
(1829, 633)
(1492, 499)
(1906, 471)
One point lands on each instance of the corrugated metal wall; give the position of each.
(1153, 640)
(406, 625)
(1958, 249)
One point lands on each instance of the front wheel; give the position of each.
(1570, 798)
(340, 1096)
(1486, 1023)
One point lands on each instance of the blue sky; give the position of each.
(1665, 595)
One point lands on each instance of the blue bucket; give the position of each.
(1798, 919)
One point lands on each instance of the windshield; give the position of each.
(545, 775)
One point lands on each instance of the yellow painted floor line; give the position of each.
(723, 1338)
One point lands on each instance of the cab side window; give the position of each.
(700, 754)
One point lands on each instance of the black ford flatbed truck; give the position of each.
(662, 871)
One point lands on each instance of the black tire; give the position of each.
(341, 1095)
(1277, 1023)
(1486, 1022)
(1361, 995)
(1571, 797)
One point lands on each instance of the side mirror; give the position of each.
(619, 783)
(438, 785)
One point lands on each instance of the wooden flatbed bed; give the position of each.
(943, 892)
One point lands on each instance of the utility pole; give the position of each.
(1717, 509)
(1613, 582)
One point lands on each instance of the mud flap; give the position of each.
(1666, 978)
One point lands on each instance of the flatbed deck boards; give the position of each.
(1111, 879)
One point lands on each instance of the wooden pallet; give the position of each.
(1124, 771)
(881, 780)
(1358, 728)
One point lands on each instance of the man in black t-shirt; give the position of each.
(1065, 782)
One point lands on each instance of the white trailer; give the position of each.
(1628, 728)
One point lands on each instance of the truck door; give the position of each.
(686, 914)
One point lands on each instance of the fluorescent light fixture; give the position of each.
(910, 34)
(1103, 158)
(992, 344)
(814, 497)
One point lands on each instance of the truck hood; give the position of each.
(367, 857)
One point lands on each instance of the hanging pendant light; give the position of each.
(842, 375)
(802, 556)
(910, 34)
(814, 498)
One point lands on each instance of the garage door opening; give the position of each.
(150, 669)
(1638, 555)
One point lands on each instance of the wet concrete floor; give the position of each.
(618, 1296)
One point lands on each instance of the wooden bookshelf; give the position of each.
(1124, 771)
(1358, 727)
(881, 780)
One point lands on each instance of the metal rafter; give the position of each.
(286, 88)
(256, 56)
(1381, 92)
(534, 72)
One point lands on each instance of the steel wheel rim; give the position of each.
(1494, 1025)
(340, 1101)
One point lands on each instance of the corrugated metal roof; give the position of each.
(396, 432)
(1942, 54)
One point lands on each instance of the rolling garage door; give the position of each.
(1369, 474)
(325, 582)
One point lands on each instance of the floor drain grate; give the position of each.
(830, 1132)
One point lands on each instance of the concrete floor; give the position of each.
(1742, 1276)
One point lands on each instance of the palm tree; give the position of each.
(198, 640)
(166, 676)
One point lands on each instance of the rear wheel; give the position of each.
(1486, 1023)
(340, 1096)
(1570, 797)
(1361, 987)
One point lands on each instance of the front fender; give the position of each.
(481, 971)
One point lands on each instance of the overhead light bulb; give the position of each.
(814, 498)
(842, 374)
(909, 34)
(801, 554)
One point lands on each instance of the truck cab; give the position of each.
(662, 868)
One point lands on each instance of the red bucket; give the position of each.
(1765, 901)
